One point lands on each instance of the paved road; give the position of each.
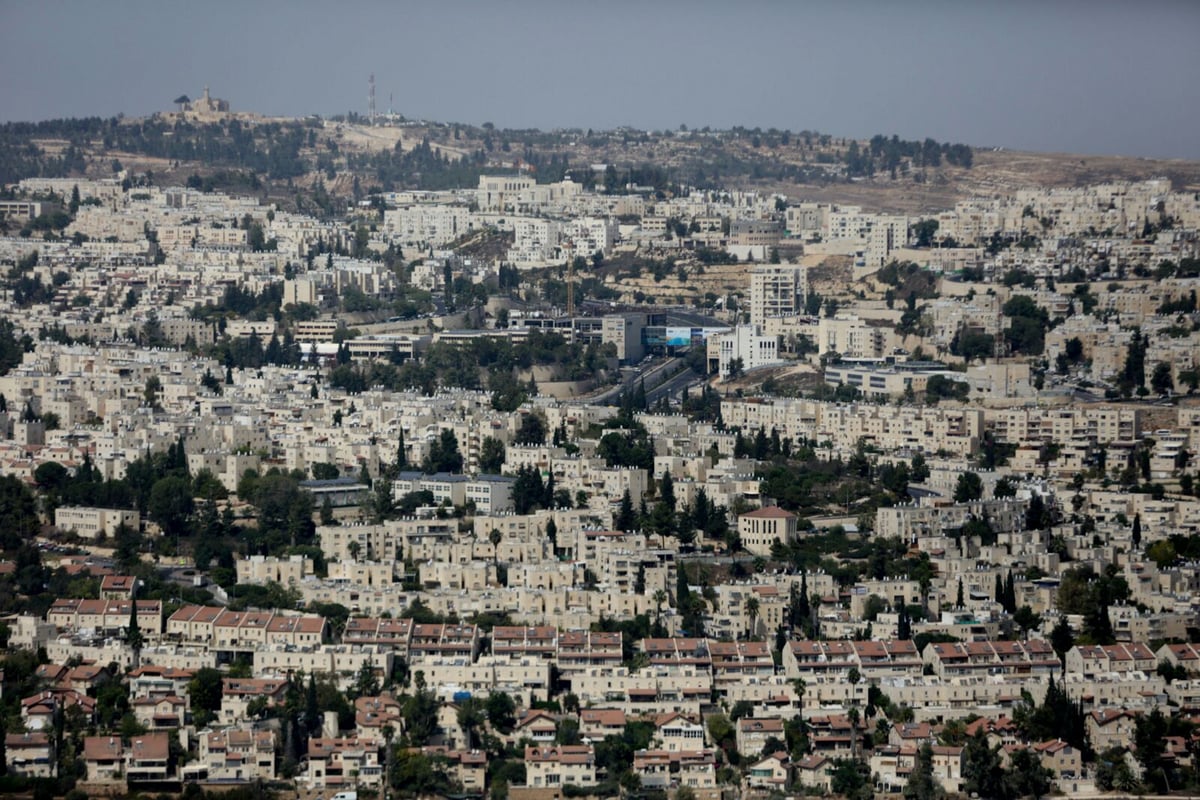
(652, 376)
(673, 387)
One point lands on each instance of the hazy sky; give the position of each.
(1090, 76)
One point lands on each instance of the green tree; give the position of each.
(366, 682)
(152, 391)
(1028, 324)
(923, 232)
(383, 502)
(471, 717)
(752, 609)
(420, 715)
(983, 774)
(1026, 775)
(625, 520)
(532, 430)
(851, 778)
(443, 455)
(1162, 553)
(919, 470)
(401, 454)
(1149, 738)
(1161, 380)
(204, 692)
(969, 487)
(284, 512)
(324, 471)
(415, 774)
(1133, 371)
(1113, 772)
(171, 504)
(501, 712)
(495, 537)
(1027, 620)
(922, 784)
(1061, 638)
(491, 455)
(721, 731)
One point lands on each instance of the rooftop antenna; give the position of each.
(371, 97)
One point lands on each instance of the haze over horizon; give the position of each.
(1081, 77)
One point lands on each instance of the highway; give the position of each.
(673, 387)
(657, 373)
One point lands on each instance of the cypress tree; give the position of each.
(133, 631)
(681, 585)
(625, 514)
(312, 710)
(804, 608)
(700, 509)
(639, 396)
(666, 489)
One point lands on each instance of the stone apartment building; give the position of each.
(244, 631)
(105, 616)
(1034, 657)
(268, 569)
(30, 755)
(662, 769)
(776, 290)
(746, 344)
(94, 523)
(238, 693)
(341, 763)
(105, 759)
(954, 430)
(564, 765)
(233, 755)
(763, 527)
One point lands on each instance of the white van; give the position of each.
(345, 796)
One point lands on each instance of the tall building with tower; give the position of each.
(371, 97)
(206, 107)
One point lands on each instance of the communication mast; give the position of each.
(371, 97)
(571, 283)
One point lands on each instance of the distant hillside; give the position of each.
(322, 165)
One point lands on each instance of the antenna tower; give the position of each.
(371, 97)
(571, 284)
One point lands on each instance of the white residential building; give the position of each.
(746, 343)
(776, 290)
